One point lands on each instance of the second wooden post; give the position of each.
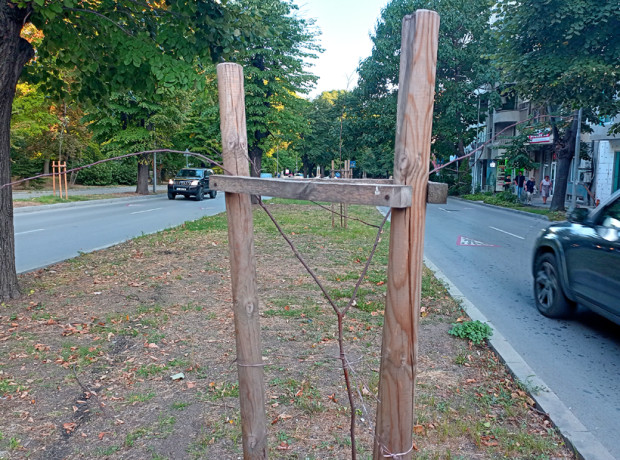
(242, 263)
(395, 410)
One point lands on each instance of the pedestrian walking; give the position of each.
(545, 188)
(519, 182)
(529, 189)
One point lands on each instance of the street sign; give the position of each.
(352, 164)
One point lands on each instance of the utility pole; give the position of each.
(576, 161)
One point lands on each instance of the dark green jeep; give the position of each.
(191, 182)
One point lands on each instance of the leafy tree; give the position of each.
(105, 47)
(275, 75)
(462, 70)
(325, 115)
(134, 122)
(31, 122)
(562, 56)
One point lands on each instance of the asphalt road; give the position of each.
(48, 234)
(487, 252)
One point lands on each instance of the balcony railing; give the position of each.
(502, 141)
(506, 116)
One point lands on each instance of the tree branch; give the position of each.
(103, 16)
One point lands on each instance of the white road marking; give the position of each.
(30, 231)
(507, 233)
(146, 210)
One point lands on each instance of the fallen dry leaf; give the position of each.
(69, 427)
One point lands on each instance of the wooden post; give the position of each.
(59, 171)
(242, 264)
(333, 175)
(347, 175)
(54, 177)
(64, 169)
(395, 411)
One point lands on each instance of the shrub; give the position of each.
(110, 173)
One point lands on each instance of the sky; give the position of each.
(345, 27)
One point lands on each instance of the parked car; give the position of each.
(578, 262)
(191, 182)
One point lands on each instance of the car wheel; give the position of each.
(213, 193)
(200, 194)
(548, 293)
(171, 196)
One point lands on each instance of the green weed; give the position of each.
(475, 331)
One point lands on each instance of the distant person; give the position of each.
(529, 189)
(519, 182)
(545, 189)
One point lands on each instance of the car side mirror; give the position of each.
(578, 215)
(608, 234)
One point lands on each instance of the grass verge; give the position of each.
(509, 200)
(88, 355)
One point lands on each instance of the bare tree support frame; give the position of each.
(394, 426)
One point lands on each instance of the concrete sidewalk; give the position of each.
(537, 202)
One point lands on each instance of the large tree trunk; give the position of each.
(143, 175)
(565, 151)
(14, 53)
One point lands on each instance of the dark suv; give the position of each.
(191, 182)
(578, 262)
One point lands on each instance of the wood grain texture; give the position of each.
(351, 191)
(335, 191)
(242, 264)
(413, 141)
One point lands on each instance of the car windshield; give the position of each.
(190, 173)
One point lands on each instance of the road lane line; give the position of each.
(146, 210)
(30, 231)
(507, 233)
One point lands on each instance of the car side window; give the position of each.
(611, 216)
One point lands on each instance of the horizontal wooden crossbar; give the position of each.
(351, 191)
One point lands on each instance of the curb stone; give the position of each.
(583, 442)
(481, 203)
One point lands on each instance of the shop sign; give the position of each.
(542, 137)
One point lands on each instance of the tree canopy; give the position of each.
(98, 52)
(462, 69)
(562, 56)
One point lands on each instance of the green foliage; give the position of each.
(475, 331)
(127, 45)
(44, 130)
(562, 53)
(121, 172)
(462, 69)
(275, 77)
(562, 56)
(326, 115)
